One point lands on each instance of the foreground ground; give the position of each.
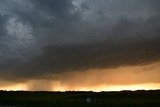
(78, 99)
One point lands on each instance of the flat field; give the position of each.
(139, 98)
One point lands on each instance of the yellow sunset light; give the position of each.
(14, 87)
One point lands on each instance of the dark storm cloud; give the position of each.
(2, 25)
(42, 37)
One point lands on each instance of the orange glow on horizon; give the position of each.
(14, 87)
(117, 79)
(58, 87)
(133, 87)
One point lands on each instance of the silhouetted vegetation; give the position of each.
(78, 99)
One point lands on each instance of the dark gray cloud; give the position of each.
(42, 37)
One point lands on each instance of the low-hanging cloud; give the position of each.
(44, 37)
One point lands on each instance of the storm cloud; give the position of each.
(45, 37)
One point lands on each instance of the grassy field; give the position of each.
(78, 99)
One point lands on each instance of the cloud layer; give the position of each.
(44, 37)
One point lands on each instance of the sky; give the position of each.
(97, 45)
